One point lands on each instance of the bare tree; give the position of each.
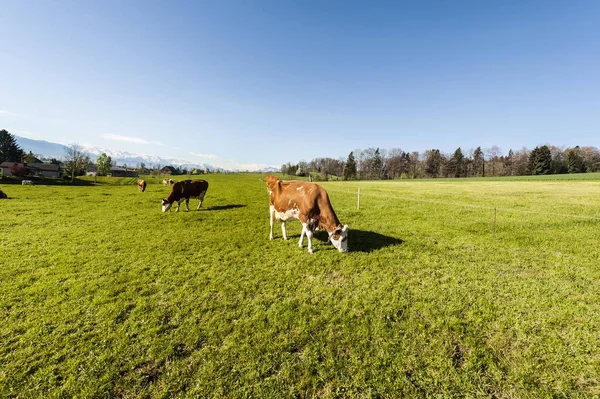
(591, 158)
(493, 155)
(415, 164)
(76, 160)
(520, 161)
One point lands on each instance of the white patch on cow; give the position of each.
(292, 213)
(341, 244)
(299, 188)
(166, 205)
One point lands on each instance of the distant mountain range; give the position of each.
(49, 150)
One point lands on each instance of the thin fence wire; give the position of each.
(462, 204)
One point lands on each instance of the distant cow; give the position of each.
(185, 189)
(168, 182)
(26, 183)
(309, 203)
(3, 194)
(141, 185)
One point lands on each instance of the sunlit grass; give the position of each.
(102, 295)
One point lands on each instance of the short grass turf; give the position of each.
(453, 288)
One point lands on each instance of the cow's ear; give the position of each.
(345, 228)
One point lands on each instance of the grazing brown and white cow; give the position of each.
(168, 182)
(185, 189)
(142, 185)
(309, 203)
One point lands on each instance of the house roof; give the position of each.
(50, 167)
(118, 169)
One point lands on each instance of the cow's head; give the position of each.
(339, 238)
(272, 181)
(166, 205)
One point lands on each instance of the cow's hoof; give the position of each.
(285, 238)
(310, 251)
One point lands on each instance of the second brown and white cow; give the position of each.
(184, 190)
(141, 185)
(309, 203)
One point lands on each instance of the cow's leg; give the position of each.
(201, 198)
(187, 204)
(309, 235)
(300, 243)
(178, 203)
(283, 230)
(271, 220)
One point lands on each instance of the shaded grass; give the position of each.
(102, 295)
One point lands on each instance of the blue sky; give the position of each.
(266, 82)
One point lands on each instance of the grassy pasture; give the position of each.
(102, 295)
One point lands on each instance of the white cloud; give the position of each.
(136, 140)
(209, 156)
(4, 112)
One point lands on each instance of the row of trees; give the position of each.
(374, 163)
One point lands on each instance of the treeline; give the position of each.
(381, 164)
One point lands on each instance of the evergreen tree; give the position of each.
(9, 150)
(575, 161)
(509, 163)
(543, 161)
(456, 164)
(531, 161)
(433, 163)
(378, 164)
(477, 162)
(350, 167)
(540, 160)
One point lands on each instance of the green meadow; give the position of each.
(470, 288)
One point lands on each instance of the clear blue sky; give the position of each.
(275, 81)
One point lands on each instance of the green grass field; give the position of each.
(102, 295)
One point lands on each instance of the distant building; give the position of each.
(168, 170)
(123, 172)
(33, 169)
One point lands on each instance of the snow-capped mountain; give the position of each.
(49, 150)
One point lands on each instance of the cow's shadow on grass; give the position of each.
(363, 240)
(223, 207)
